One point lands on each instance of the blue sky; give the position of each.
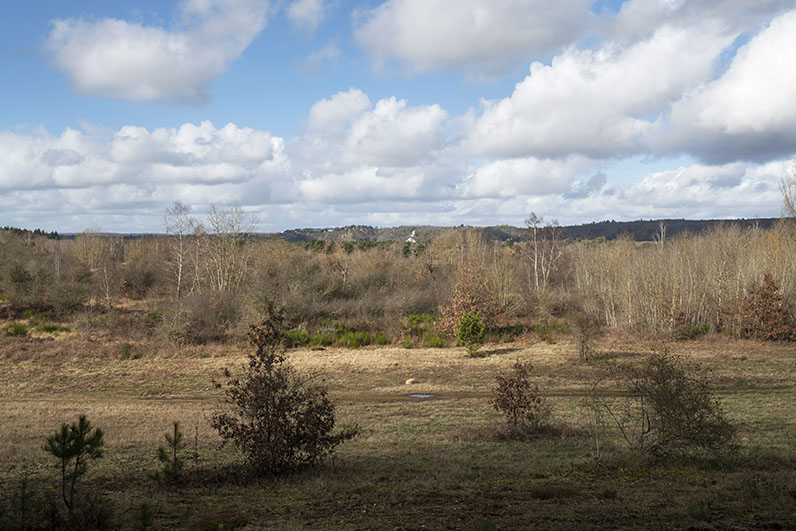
(388, 112)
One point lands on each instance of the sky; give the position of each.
(319, 113)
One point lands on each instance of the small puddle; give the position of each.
(421, 396)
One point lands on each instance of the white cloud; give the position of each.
(747, 113)
(346, 131)
(393, 134)
(118, 59)
(332, 114)
(524, 176)
(353, 150)
(587, 187)
(382, 162)
(637, 19)
(701, 191)
(363, 183)
(486, 36)
(598, 103)
(134, 155)
(306, 14)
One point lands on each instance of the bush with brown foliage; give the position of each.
(764, 314)
(520, 400)
(471, 294)
(279, 419)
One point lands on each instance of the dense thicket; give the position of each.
(217, 279)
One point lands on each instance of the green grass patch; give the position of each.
(548, 330)
(334, 334)
(54, 329)
(381, 339)
(16, 329)
(433, 340)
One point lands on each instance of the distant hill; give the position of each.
(641, 230)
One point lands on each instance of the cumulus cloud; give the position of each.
(306, 14)
(363, 183)
(118, 59)
(356, 151)
(136, 156)
(696, 192)
(356, 161)
(639, 18)
(597, 102)
(332, 115)
(485, 36)
(704, 191)
(524, 176)
(394, 134)
(748, 112)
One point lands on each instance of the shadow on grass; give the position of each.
(503, 432)
(498, 351)
(241, 475)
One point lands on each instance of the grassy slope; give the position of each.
(418, 463)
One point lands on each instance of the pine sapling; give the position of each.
(171, 457)
(74, 445)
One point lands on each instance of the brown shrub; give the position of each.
(764, 314)
(519, 400)
(471, 294)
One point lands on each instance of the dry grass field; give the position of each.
(428, 463)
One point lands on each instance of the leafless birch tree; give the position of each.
(224, 252)
(179, 226)
(544, 252)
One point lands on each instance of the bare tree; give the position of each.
(179, 225)
(660, 235)
(224, 254)
(787, 186)
(89, 247)
(545, 251)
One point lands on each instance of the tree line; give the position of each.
(207, 278)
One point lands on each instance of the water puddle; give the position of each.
(421, 396)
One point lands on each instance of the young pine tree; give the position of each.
(74, 446)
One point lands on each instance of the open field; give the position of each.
(418, 463)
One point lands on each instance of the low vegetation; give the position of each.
(454, 455)
(597, 375)
(279, 419)
(520, 401)
(669, 409)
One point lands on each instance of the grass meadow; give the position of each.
(431, 463)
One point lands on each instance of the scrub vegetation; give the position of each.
(566, 383)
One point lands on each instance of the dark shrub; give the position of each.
(671, 410)
(74, 446)
(278, 419)
(470, 332)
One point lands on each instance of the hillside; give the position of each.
(640, 230)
